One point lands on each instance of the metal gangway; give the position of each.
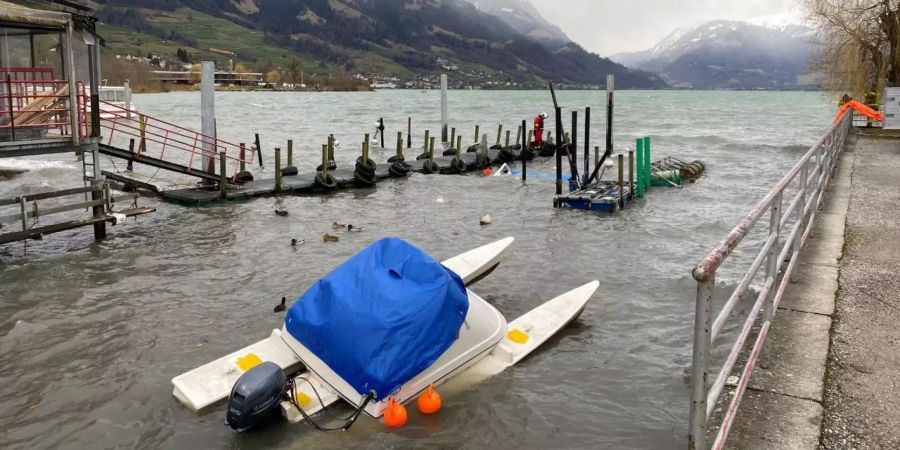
(788, 230)
(134, 136)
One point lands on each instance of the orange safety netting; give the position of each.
(860, 108)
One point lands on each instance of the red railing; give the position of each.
(164, 140)
(32, 106)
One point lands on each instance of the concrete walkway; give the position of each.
(862, 386)
(834, 369)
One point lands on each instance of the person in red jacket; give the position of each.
(539, 129)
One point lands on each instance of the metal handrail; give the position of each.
(147, 129)
(811, 173)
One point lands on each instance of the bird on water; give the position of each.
(281, 307)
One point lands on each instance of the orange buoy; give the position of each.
(429, 401)
(487, 171)
(395, 414)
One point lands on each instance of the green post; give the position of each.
(640, 167)
(647, 160)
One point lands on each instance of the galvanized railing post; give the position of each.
(802, 217)
(771, 268)
(700, 362)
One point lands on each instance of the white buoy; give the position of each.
(486, 219)
(439, 199)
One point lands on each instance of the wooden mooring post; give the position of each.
(243, 157)
(290, 152)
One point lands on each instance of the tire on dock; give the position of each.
(430, 167)
(324, 181)
(399, 169)
(458, 166)
(289, 171)
(331, 166)
(243, 177)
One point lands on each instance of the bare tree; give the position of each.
(858, 43)
(292, 70)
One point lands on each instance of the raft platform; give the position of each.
(600, 196)
(300, 183)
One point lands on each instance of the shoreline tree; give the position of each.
(858, 44)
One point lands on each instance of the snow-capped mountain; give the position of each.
(523, 17)
(770, 52)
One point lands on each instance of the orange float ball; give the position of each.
(429, 401)
(395, 414)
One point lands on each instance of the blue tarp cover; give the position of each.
(381, 317)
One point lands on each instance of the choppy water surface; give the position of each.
(107, 325)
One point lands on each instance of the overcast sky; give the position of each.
(610, 26)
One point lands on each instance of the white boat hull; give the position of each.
(483, 328)
(204, 386)
(538, 325)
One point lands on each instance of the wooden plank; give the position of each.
(47, 211)
(38, 232)
(46, 195)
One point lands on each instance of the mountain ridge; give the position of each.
(402, 38)
(731, 54)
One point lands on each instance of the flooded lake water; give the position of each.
(92, 333)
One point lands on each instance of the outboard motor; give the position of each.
(255, 396)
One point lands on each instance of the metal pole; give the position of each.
(399, 144)
(610, 92)
(573, 149)
(700, 364)
(324, 161)
(476, 133)
(587, 145)
(631, 175)
(208, 112)
(621, 181)
(801, 216)
(507, 138)
(12, 115)
(69, 63)
(222, 180)
(277, 169)
(130, 166)
(409, 132)
(444, 118)
(771, 269)
(127, 87)
(258, 149)
(558, 151)
(452, 136)
(499, 133)
(524, 127)
(381, 130)
(425, 149)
